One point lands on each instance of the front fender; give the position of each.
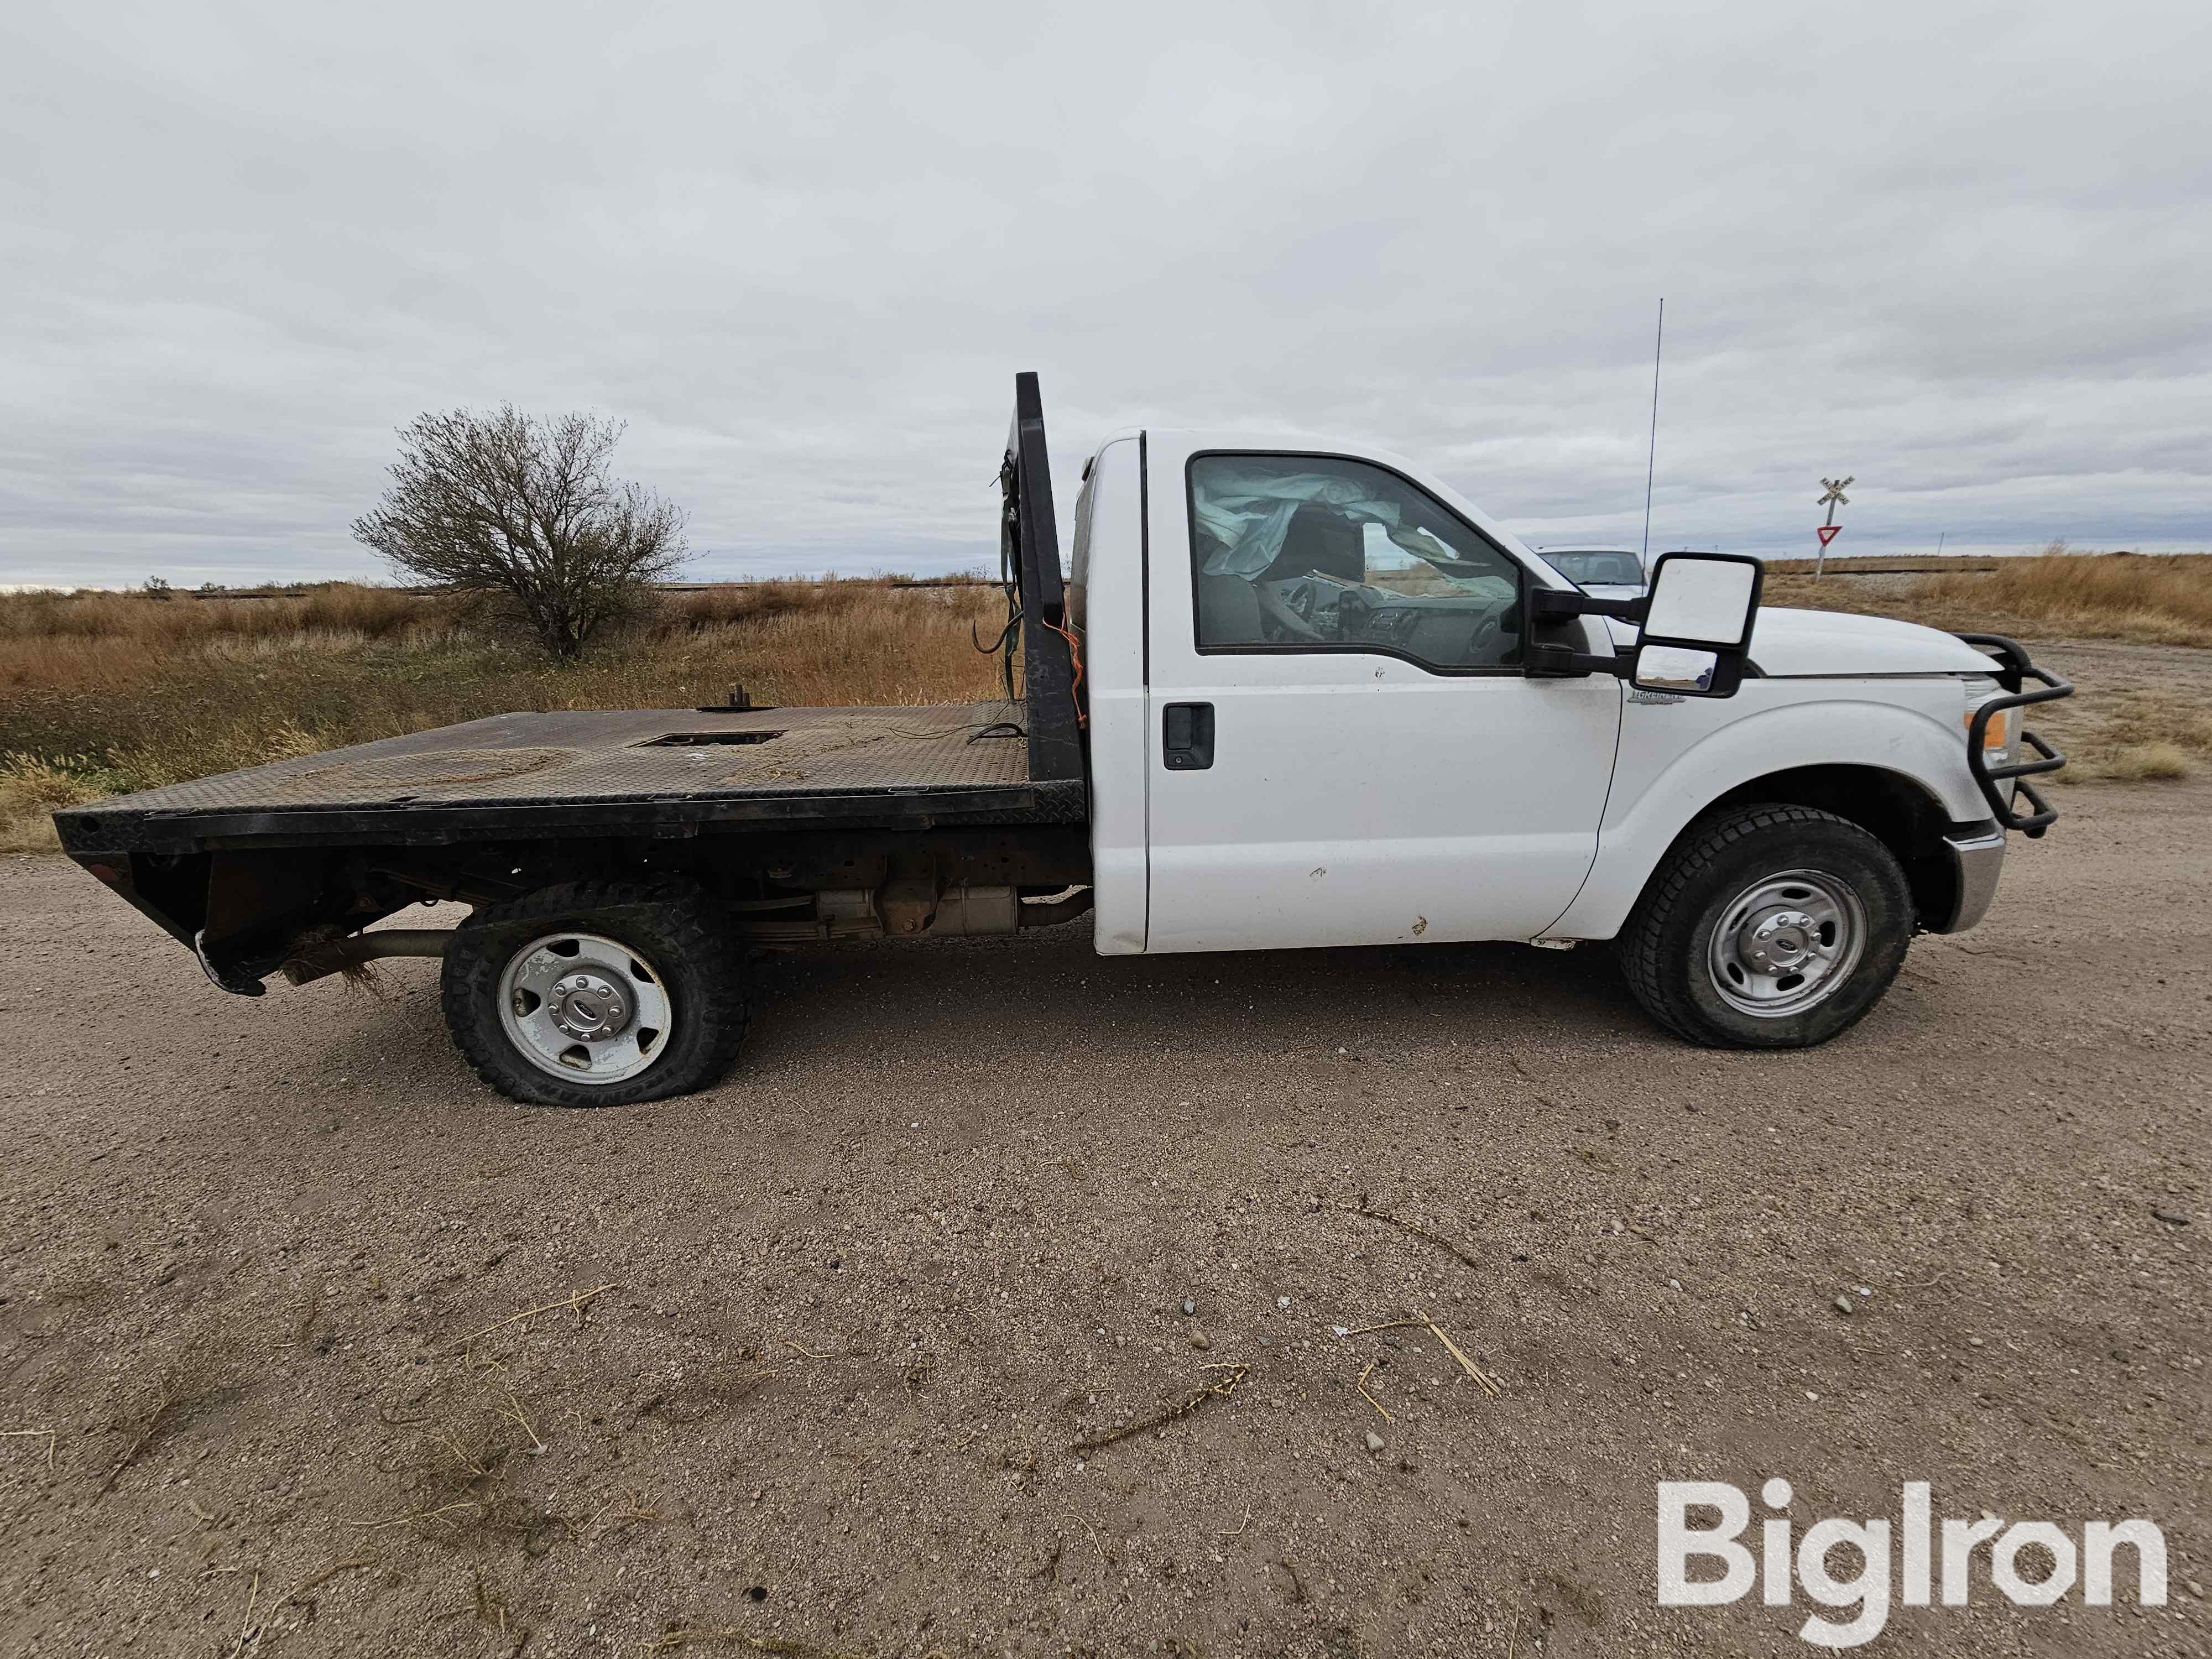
(1677, 759)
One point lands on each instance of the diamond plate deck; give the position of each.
(616, 769)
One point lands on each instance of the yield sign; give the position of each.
(1828, 532)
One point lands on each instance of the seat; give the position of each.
(1228, 612)
(1318, 539)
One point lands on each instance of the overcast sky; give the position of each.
(1961, 251)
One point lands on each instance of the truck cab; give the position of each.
(1309, 666)
(1314, 718)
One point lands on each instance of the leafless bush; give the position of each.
(508, 503)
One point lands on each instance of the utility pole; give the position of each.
(1829, 531)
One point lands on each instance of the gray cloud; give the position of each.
(1958, 252)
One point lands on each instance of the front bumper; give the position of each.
(1977, 861)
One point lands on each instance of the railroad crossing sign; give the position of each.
(1828, 532)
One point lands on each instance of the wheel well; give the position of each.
(1889, 805)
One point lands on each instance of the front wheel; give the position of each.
(1768, 927)
(596, 994)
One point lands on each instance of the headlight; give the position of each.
(1998, 736)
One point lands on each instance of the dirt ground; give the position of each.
(839, 1342)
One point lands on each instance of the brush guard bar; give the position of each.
(2012, 671)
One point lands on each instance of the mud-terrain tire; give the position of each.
(597, 994)
(1767, 926)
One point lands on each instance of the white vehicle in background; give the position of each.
(1293, 694)
(1603, 573)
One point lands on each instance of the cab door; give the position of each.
(1354, 758)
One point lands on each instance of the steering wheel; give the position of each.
(1290, 616)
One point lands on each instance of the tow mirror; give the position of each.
(1697, 626)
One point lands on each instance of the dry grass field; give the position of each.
(2166, 600)
(102, 692)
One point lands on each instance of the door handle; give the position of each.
(1187, 741)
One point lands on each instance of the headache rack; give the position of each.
(2013, 669)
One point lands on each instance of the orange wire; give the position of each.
(1075, 659)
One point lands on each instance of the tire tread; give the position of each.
(1641, 945)
(683, 913)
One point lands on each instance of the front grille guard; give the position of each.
(2013, 671)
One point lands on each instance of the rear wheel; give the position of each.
(596, 994)
(1768, 927)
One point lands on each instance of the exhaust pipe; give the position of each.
(336, 956)
(1051, 911)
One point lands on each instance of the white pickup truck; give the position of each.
(1289, 695)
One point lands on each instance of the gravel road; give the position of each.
(873, 1309)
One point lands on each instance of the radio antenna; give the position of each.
(1651, 455)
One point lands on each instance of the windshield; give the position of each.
(1588, 569)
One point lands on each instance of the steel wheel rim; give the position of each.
(1785, 943)
(584, 1008)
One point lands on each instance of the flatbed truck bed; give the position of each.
(664, 773)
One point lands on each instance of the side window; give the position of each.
(1311, 553)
